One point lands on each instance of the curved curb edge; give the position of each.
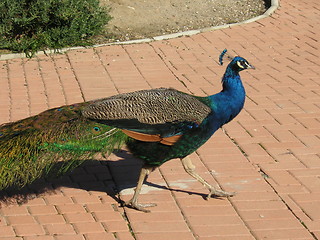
(273, 7)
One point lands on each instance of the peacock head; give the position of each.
(237, 63)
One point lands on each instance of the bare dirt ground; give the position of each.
(135, 19)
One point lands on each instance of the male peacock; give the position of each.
(157, 125)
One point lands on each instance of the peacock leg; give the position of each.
(133, 202)
(190, 169)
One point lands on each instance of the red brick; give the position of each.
(223, 230)
(290, 189)
(78, 217)
(125, 236)
(69, 237)
(42, 210)
(39, 238)
(50, 219)
(266, 214)
(59, 229)
(99, 207)
(58, 199)
(115, 226)
(29, 230)
(7, 231)
(35, 202)
(154, 216)
(260, 205)
(255, 196)
(20, 220)
(199, 199)
(283, 234)
(165, 235)
(107, 216)
(85, 199)
(71, 208)
(103, 235)
(160, 227)
(209, 210)
(214, 220)
(312, 209)
(263, 224)
(306, 197)
(14, 211)
(90, 227)
(238, 237)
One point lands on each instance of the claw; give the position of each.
(219, 193)
(140, 206)
(190, 169)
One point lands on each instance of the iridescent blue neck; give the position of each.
(230, 100)
(231, 79)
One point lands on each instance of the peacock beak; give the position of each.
(249, 66)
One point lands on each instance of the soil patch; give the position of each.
(136, 19)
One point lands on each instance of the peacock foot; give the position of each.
(219, 193)
(140, 206)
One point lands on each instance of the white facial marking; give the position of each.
(239, 64)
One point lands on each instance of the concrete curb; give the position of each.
(274, 5)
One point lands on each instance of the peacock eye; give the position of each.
(97, 129)
(242, 64)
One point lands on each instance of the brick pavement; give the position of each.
(269, 154)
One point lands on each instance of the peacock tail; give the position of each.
(29, 148)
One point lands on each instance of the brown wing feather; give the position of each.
(156, 106)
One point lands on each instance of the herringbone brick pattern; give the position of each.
(269, 154)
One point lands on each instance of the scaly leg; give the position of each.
(133, 202)
(190, 169)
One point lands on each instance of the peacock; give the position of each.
(157, 125)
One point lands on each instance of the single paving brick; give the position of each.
(69, 237)
(165, 235)
(59, 229)
(116, 226)
(71, 208)
(14, 211)
(58, 199)
(264, 224)
(50, 219)
(78, 217)
(39, 238)
(223, 230)
(103, 235)
(125, 236)
(107, 216)
(42, 210)
(155, 216)
(283, 234)
(7, 231)
(159, 227)
(29, 230)
(20, 220)
(89, 227)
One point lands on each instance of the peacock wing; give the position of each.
(163, 111)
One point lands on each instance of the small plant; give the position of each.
(32, 25)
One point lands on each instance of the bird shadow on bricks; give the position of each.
(105, 176)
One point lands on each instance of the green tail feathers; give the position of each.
(29, 148)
